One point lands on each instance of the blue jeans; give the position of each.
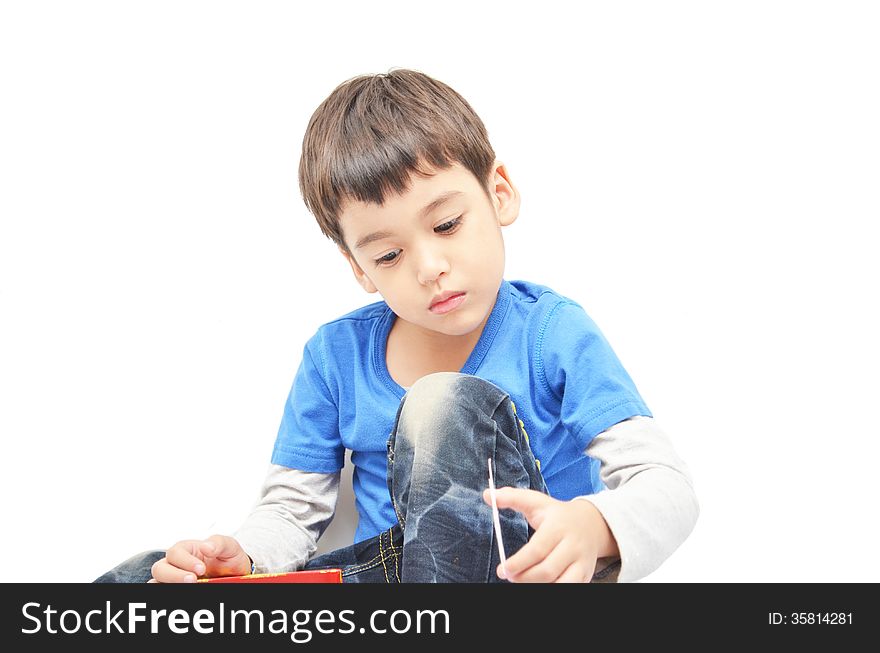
(448, 425)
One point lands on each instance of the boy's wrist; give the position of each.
(606, 544)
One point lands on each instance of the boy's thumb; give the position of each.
(207, 547)
(528, 502)
(221, 547)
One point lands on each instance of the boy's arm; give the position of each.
(295, 507)
(650, 505)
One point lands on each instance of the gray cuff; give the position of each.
(295, 507)
(650, 505)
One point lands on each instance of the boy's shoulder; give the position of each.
(541, 310)
(367, 313)
(357, 323)
(348, 340)
(529, 292)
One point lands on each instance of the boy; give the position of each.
(457, 367)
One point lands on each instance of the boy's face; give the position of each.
(416, 249)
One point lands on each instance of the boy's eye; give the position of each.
(388, 258)
(446, 228)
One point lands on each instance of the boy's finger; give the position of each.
(207, 547)
(165, 572)
(546, 570)
(185, 558)
(532, 553)
(221, 547)
(529, 502)
(574, 574)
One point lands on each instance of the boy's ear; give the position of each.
(359, 275)
(505, 196)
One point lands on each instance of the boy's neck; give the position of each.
(413, 352)
(434, 342)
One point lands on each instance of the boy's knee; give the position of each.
(441, 401)
(426, 404)
(441, 385)
(136, 569)
(444, 392)
(432, 389)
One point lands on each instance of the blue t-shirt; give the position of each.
(540, 347)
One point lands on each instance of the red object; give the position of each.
(307, 576)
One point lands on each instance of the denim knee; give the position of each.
(137, 569)
(449, 425)
(447, 413)
(435, 400)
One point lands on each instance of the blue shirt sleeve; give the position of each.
(308, 438)
(584, 374)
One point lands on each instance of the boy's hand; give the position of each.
(569, 537)
(219, 555)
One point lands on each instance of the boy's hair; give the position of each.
(374, 131)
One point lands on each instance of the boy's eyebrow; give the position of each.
(434, 204)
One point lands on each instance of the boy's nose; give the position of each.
(431, 266)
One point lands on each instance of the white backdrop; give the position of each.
(702, 177)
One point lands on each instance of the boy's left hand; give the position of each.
(569, 537)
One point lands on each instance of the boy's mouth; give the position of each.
(447, 301)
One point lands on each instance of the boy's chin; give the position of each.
(452, 326)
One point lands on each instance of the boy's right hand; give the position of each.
(219, 555)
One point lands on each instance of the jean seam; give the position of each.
(400, 519)
(521, 427)
(382, 554)
(610, 570)
(364, 566)
(394, 553)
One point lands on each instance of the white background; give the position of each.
(701, 176)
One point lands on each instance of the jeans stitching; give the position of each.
(375, 562)
(394, 552)
(382, 553)
(527, 449)
(364, 566)
(607, 571)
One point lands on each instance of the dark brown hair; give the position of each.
(374, 131)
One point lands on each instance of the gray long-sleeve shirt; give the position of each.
(649, 505)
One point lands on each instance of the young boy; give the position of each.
(457, 367)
